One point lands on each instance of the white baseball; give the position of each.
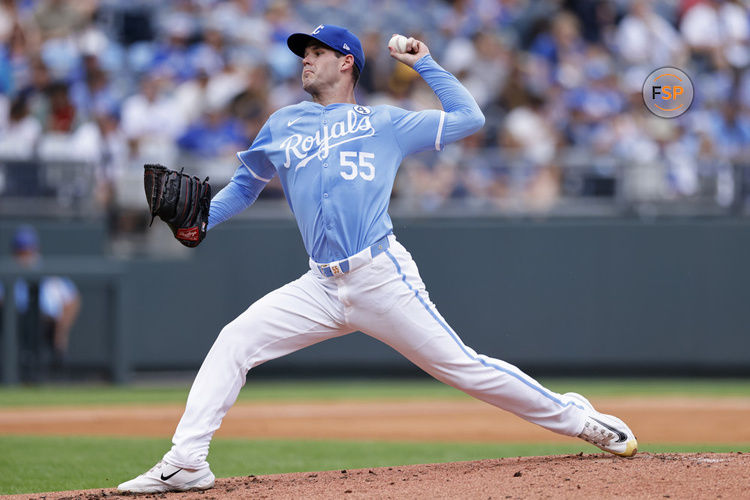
(398, 42)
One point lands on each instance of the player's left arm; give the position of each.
(240, 193)
(462, 114)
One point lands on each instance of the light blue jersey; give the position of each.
(337, 163)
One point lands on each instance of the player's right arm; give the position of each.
(247, 182)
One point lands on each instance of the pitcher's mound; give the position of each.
(698, 475)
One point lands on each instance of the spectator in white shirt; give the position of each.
(718, 31)
(643, 37)
(152, 121)
(22, 131)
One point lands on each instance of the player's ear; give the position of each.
(347, 62)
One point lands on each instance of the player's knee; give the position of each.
(242, 336)
(230, 337)
(464, 375)
(233, 345)
(447, 375)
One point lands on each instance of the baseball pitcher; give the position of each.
(337, 162)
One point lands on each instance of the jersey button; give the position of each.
(325, 195)
(325, 165)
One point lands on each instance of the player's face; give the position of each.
(320, 68)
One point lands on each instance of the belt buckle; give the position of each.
(332, 269)
(336, 268)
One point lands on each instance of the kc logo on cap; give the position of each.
(334, 37)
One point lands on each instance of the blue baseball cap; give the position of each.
(335, 37)
(25, 238)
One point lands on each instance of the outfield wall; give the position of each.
(553, 296)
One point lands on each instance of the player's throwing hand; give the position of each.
(415, 50)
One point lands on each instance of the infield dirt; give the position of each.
(655, 420)
(704, 475)
(658, 420)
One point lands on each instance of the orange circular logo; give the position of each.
(668, 92)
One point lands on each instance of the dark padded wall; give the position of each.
(558, 296)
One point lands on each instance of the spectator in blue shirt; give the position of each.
(43, 338)
(213, 135)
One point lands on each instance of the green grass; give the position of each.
(33, 464)
(653, 387)
(309, 390)
(36, 464)
(359, 389)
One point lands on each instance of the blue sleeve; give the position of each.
(240, 193)
(255, 159)
(416, 130)
(460, 117)
(248, 181)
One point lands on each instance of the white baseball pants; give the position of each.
(386, 299)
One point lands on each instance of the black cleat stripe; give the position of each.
(164, 478)
(621, 435)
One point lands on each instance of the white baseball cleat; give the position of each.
(164, 477)
(605, 431)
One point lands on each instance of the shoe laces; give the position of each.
(596, 434)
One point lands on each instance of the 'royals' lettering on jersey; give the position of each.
(337, 165)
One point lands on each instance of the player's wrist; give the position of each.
(422, 62)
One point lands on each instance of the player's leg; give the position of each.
(290, 318)
(399, 312)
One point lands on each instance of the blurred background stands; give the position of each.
(92, 90)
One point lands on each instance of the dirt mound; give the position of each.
(699, 475)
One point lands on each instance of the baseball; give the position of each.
(398, 42)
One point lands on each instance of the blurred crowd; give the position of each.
(120, 83)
